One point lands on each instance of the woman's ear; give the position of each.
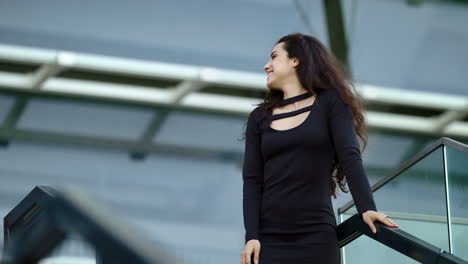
(294, 61)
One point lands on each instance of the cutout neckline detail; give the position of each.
(295, 112)
(296, 98)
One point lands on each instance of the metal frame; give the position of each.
(447, 199)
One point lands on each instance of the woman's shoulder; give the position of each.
(332, 101)
(258, 117)
(253, 115)
(258, 113)
(329, 95)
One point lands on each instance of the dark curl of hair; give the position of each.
(318, 70)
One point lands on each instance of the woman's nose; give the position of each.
(266, 67)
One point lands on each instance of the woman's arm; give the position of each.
(252, 175)
(341, 125)
(349, 156)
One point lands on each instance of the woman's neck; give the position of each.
(293, 90)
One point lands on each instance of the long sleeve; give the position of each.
(252, 175)
(341, 124)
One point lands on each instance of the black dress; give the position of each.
(286, 196)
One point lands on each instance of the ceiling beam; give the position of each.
(116, 144)
(336, 30)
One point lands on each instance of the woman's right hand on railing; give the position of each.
(251, 247)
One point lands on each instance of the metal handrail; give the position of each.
(396, 239)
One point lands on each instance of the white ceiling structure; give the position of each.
(190, 79)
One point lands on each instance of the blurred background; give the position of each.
(142, 104)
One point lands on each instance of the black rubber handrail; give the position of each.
(428, 150)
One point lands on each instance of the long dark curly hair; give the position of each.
(318, 70)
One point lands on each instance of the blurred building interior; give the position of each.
(143, 104)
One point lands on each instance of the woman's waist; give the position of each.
(307, 196)
(316, 224)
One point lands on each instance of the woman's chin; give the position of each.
(274, 88)
(271, 85)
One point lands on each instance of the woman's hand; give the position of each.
(370, 216)
(251, 247)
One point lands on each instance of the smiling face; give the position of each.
(280, 68)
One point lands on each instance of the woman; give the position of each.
(300, 143)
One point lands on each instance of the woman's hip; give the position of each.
(317, 246)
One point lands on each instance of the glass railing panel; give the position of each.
(435, 227)
(457, 171)
(415, 199)
(365, 250)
